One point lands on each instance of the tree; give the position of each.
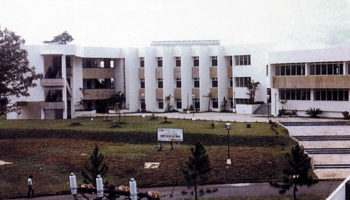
(252, 88)
(198, 165)
(16, 77)
(299, 172)
(96, 167)
(62, 38)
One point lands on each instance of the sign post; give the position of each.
(170, 135)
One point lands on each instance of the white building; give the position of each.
(180, 75)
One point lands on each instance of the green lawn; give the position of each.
(50, 150)
(138, 124)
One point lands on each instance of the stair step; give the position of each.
(332, 166)
(330, 123)
(328, 150)
(323, 138)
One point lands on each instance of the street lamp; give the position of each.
(133, 189)
(194, 104)
(268, 106)
(99, 186)
(73, 184)
(228, 127)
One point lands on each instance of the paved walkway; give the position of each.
(227, 190)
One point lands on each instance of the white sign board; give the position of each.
(170, 135)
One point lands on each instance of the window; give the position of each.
(196, 82)
(242, 81)
(231, 102)
(196, 103)
(242, 60)
(68, 65)
(160, 61)
(294, 94)
(214, 82)
(142, 83)
(160, 83)
(215, 103)
(290, 69)
(178, 104)
(142, 62)
(143, 104)
(231, 82)
(160, 104)
(112, 63)
(230, 61)
(196, 61)
(214, 61)
(332, 68)
(178, 61)
(331, 95)
(102, 64)
(178, 83)
(241, 101)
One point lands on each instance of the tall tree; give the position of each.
(198, 165)
(62, 38)
(252, 87)
(16, 76)
(298, 173)
(96, 167)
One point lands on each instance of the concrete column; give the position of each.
(186, 77)
(345, 68)
(64, 90)
(132, 81)
(307, 69)
(274, 102)
(150, 79)
(204, 78)
(223, 80)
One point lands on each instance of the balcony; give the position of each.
(98, 94)
(159, 93)
(54, 82)
(177, 93)
(331, 81)
(177, 72)
(159, 72)
(52, 105)
(213, 72)
(195, 92)
(142, 73)
(229, 74)
(97, 73)
(195, 72)
(214, 93)
(142, 94)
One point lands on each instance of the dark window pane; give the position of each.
(288, 70)
(329, 95)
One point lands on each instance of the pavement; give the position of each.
(226, 190)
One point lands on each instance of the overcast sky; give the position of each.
(138, 22)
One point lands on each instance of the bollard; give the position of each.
(99, 186)
(133, 189)
(73, 183)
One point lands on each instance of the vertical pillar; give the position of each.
(345, 68)
(42, 114)
(64, 90)
(307, 69)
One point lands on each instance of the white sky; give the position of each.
(121, 23)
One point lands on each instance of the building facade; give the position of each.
(182, 75)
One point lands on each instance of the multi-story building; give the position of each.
(180, 75)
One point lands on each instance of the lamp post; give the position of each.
(268, 106)
(228, 127)
(73, 184)
(99, 187)
(133, 189)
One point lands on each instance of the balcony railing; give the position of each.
(98, 94)
(52, 105)
(97, 73)
(52, 82)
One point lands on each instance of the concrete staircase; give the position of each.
(264, 109)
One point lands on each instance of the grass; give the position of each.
(138, 124)
(50, 150)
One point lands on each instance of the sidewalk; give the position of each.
(227, 190)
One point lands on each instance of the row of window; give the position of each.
(242, 81)
(290, 70)
(98, 63)
(196, 103)
(239, 60)
(214, 83)
(319, 94)
(334, 68)
(102, 83)
(295, 94)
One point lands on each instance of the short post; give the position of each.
(228, 126)
(268, 106)
(73, 184)
(133, 189)
(99, 186)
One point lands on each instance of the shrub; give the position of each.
(346, 115)
(313, 112)
(75, 124)
(166, 121)
(153, 117)
(212, 124)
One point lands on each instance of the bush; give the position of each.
(313, 112)
(346, 115)
(153, 117)
(75, 124)
(212, 124)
